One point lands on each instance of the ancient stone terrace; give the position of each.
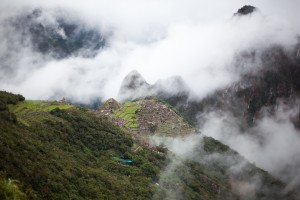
(146, 117)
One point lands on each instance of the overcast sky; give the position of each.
(160, 38)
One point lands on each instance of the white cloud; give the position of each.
(273, 143)
(196, 40)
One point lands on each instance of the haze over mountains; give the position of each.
(153, 43)
(231, 72)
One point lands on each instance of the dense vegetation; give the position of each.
(54, 150)
(9, 189)
(68, 155)
(214, 171)
(7, 98)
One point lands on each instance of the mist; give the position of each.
(196, 41)
(190, 152)
(272, 143)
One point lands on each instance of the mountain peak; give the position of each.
(133, 84)
(245, 10)
(111, 104)
(134, 80)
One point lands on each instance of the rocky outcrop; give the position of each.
(245, 10)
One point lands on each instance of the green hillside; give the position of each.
(65, 152)
(31, 111)
(54, 150)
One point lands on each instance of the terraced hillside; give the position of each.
(146, 117)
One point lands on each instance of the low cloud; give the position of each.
(191, 163)
(176, 40)
(273, 143)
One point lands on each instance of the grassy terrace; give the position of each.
(128, 113)
(35, 110)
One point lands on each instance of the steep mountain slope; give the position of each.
(211, 171)
(60, 151)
